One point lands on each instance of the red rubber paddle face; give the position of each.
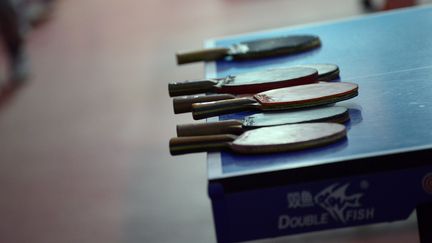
(288, 137)
(255, 82)
(310, 94)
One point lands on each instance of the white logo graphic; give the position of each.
(335, 201)
(338, 205)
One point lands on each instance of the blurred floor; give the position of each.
(83, 145)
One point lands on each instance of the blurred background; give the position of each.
(84, 139)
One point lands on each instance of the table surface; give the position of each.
(388, 55)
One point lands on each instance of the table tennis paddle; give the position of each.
(295, 97)
(336, 114)
(263, 140)
(253, 49)
(247, 83)
(326, 72)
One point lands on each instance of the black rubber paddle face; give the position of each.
(279, 43)
(274, 46)
(288, 137)
(328, 114)
(326, 72)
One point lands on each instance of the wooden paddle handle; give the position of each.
(184, 104)
(210, 128)
(216, 108)
(184, 145)
(209, 54)
(190, 87)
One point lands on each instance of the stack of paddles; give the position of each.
(295, 105)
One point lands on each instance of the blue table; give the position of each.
(380, 173)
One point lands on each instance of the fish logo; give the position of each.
(335, 200)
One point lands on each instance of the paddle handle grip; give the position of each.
(185, 145)
(190, 87)
(210, 128)
(184, 104)
(209, 54)
(216, 108)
